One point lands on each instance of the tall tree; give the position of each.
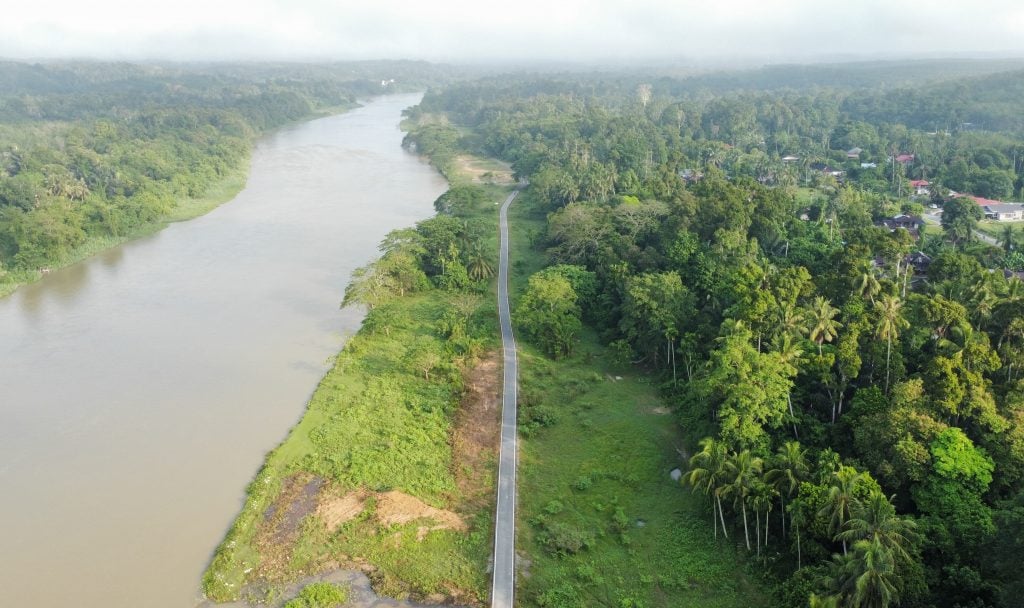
(742, 471)
(708, 469)
(824, 327)
(890, 322)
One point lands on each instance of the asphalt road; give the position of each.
(503, 583)
(935, 218)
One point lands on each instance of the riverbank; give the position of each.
(223, 190)
(391, 469)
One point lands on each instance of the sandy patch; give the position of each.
(661, 411)
(335, 510)
(399, 508)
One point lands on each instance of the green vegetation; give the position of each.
(92, 155)
(319, 595)
(853, 412)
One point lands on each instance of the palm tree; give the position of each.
(789, 468)
(842, 497)
(707, 472)
(875, 520)
(742, 471)
(867, 578)
(478, 264)
(890, 322)
(866, 282)
(790, 353)
(824, 325)
(824, 601)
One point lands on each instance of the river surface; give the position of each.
(141, 389)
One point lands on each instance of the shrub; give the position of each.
(319, 595)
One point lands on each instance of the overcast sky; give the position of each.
(478, 30)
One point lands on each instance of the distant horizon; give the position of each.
(466, 32)
(706, 63)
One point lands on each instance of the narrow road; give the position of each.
(932, 218)
(503, 584)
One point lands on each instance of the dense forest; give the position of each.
(852, 393)
(97, 152)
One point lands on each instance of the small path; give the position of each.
(503, 583)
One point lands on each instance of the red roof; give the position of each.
(917, 183)
(981, 201)
(905, 158)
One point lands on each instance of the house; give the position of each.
(790, 159)
(913, 225)
(690, 175)
(1004, 212)
(853, 153)
(907, 222)
(922, 187)
(869, 165)
(920, 261)
(904, 159)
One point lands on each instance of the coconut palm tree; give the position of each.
(742, 471)
(866, 282)
(708, 473)
(876, 519)
(823, 323)
(478, 264)
(890, 322)
(867, 577)
(842, 498)
(789, 468)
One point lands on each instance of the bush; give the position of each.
(319, 595)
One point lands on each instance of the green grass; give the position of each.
(995, 229)
(374, 422)
(600, 519)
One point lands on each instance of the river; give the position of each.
(141, 389)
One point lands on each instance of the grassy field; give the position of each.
(601, 523)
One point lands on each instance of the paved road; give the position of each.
(503, 584)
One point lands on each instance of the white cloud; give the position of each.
(528, 29)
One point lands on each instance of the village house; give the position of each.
(921, 187)
(1004, 212)
(853, 153)
(920, 261)
(904, 159)
(910, 223)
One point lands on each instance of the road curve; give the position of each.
(503, 583)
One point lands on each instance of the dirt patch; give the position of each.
(396, 508)
(484, 172)
(660, 411)
(477, 432)
(336, 510)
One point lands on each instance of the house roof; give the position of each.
(917, 183)
(905, 158)
(981, 201)
(1004, 208)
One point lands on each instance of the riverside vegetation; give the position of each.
(93, 154)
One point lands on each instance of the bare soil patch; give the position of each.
(336, 510)
(484, 172)
(282, 521)
(398, 508)
(477, 432)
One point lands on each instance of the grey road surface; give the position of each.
(503, 584)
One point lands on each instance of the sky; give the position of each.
(521, 30)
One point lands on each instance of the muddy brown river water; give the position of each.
(140, 389)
